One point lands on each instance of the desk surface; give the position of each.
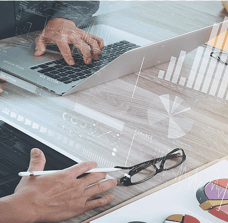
(111, 125)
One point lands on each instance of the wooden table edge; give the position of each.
(175, 180)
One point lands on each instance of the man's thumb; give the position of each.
(40, 46)
(37, 160)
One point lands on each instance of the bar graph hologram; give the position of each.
(178, 66)
(217, 78)
(182, 81)
(195, 66)
(221, 40)
(202, 69)
(227, 96)
(206, 58)
(223, 85)
(207, 74)
(161, 74)
(170, 68)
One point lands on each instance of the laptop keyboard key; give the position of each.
(62, 79)
(46, 70)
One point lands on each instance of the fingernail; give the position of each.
(88, 60)
(1, 90)
(42, 154)
(71, 62)
(35, 152)
(114, 181)
(96, 57)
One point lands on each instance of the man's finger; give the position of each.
(65, 51)
(98, 202)
(1, 89)
(95, 48)
(100, 187)
(40, 45)
(93, 178)
(99, 41)
(37, 160)
(2, 80)
(81, 168)
(84, 49)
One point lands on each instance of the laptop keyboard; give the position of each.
(62, 72)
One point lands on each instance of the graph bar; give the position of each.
(223, 85)
(195, 67)
(202, 69)
(221, 41)
(182, 81)
(227, 96)
(179, 66)
(161, 74)
(217, 78)
(226, 44)
(209, 75)
(206, 58)
(170, 68)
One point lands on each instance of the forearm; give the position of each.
(15, 208)
(80, 12)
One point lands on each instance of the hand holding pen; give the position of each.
(62, 190)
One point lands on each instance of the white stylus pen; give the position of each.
(38, 173)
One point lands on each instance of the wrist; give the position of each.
(16, 208)
(61, 21)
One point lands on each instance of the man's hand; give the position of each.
(59, 196)
(64, 32)
(1, 81)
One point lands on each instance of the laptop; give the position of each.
(123, 54)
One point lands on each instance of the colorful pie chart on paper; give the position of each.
(213, 197)
(181, 219)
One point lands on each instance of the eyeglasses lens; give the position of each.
(143, 174)
(173, 160)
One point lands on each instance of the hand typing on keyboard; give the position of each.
(1, 89)
(55, 197)
(64, 32)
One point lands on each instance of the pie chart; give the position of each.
(213, 197)
(181, 219)
(170, 115)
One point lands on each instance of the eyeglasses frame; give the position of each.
(217, 58)
(126, 180)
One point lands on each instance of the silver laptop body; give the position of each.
(17, 61)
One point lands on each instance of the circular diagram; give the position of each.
(213, 197)
(170, 115)
(181, 219)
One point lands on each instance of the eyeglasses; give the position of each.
(144, 171)
(217, 56)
